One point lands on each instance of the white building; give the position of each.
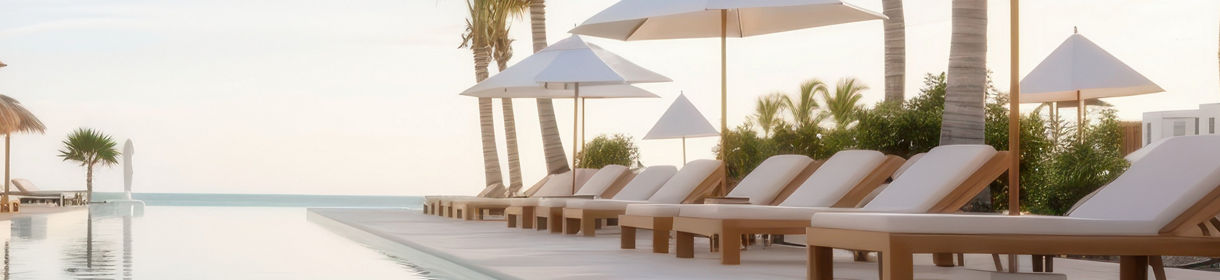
(1163, 124)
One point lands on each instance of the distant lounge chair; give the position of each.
(941, 181)
(557, 185)
(696, 180)
(641, 187)
(1154, 208)
(27, 192)
(608, 181)
(840, 181)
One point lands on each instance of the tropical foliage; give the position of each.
(89, 148)
(1053, 176)
(608, 149)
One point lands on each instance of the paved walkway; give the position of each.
(529, 254)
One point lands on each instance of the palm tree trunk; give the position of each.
(510, 139)
(965, 92)
(895, 51)
(491, 159)
(552, 146)
(89, 183)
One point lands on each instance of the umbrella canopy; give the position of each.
(1079, 69)
(567, 62)
(14, 118)
(681, 120)
(673, 19)
(565, 90)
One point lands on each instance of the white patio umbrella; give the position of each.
(560, 70)
(1079, 70)
(631, 20)
(681, 120)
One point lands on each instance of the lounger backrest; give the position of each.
(1161, 185)
(835, 178)
(602, 180)
(561, 184)
(770, 177)
(493, 191)
(905, 165)
(24, 185)
(931, 179)
(685, 181)
(646, 183)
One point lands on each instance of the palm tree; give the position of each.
(844, 105)
(476, 37)
(766, 112)
(965, 93)
(963, 120)
(552, 147)
(90, 148)
(502, 13)
(804, 108)
(895, 50)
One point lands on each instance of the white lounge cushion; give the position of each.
(756, 212)
(1161, 185)
(977, 224)
(561, 184)
(646, 183)
(601, 204)
(934, 176)
(684, 182)
(769, 178)
(658, 210)
(602, 180)
(907, 165)
(555, 202)
(523, 201)
(838, 175)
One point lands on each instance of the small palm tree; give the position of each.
(804, 108)
(766, 112)
(90, 148)
(845, 103)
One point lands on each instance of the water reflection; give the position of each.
(102, 250)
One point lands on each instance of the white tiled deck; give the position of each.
(489, 246)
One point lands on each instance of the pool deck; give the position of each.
(528, 254)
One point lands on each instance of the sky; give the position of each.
(360, 96)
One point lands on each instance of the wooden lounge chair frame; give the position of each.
(661, 226)
(585, 220)
(1180, 237)
(525, 217)
(728, 229)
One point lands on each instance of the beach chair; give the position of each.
(1154, 208)
(27, 192)
(695, 181)
(840, 181)
(548, 215)
(607, 182)
(557, 185)
(942, 181)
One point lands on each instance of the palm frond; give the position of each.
(90, 147)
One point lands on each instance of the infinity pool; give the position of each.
(191, 242)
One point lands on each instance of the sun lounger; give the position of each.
(842, 180)
(549, 212)
(27, 192)
(697, 180)
(604, 184)
(1152, 209)
(557, 185)
(943, 180)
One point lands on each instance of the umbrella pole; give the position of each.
(575, 115)
(724, 96)
(4, 198)
(582, 122)
(1079, 117)
(683, 150)
(1014, 119)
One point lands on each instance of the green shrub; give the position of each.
(746, 151)
(606, 150)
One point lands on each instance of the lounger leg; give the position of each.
(556, 223)
(821, 263)
(730, 247)
(511, 220)
(627, 237)
(527, 217)
(588, 226)
(570, 225)
(660, 235)
(686, 244)
(1133, 268)
(943, 259)
(896, 265)
(1158, 267)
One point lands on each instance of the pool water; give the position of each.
(191, 242)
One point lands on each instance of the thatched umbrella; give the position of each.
(14, 118)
